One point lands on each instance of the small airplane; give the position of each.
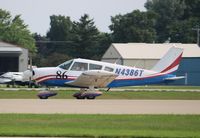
(89, 74)
(12, 78)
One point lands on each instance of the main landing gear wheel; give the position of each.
(91, 97)
(87, 94)
(80, 97)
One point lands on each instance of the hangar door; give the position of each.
(9, 64)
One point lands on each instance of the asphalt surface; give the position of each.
(68, 106)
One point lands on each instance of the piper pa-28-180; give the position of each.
(89, 74)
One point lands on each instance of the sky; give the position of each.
(36, 13)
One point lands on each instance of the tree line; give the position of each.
(68, 39)
(163, 20)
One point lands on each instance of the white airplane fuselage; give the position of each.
(126, 76)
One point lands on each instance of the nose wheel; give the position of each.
(46, 94)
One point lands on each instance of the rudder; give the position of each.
(170, 61)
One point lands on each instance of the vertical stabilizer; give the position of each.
(170, 61)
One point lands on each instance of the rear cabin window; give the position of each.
(109, 69)
(66, 65)
(95, 67)
(79, 66)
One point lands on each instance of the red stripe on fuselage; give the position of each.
(44, 77)
(53, 77)
(155, 75)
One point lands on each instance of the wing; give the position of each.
(4, 80)
(96, 78)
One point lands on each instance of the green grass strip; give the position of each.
(61, 125)
(107, 95)
(162, 87)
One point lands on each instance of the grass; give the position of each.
(152, 95)
(162, 87)
(32, 94)
(183, 126)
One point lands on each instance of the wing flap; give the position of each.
(96, 78)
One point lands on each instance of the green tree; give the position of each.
(192, 9)
(60, 34)
(86, 37)
(175, 19)
(41, 44)
(54, 59)
(42, 50)
(66, 39)
(60, 28)
(104, 41)
(13, 30)
(43, 58)
(181, 31)
(136, 26)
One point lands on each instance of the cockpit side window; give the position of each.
(95, 67)
(109, 69)
(66, 65)
(79, 66)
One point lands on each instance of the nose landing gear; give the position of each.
(46, 94)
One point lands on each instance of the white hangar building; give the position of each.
(145, 56)
(13, 58)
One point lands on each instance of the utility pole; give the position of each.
(198, 30)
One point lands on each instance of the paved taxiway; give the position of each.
(68, 106)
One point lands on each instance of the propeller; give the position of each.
(31, 69)
(28, 74)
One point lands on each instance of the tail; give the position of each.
(170, 61)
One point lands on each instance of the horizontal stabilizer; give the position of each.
(175, 78)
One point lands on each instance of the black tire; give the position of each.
(80, 97)
(91, 97)
(43, 97)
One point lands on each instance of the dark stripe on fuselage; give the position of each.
(115, 83)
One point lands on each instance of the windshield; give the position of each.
(66, 65)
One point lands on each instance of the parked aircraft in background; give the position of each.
(12, 78)
(89, 74)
